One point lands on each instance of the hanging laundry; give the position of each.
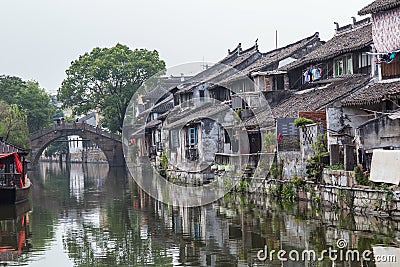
(310, 74)
(387, 58)
(316, 73)
(306, 77)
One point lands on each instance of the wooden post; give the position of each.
(335, 156)
(348, 157)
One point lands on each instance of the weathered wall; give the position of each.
(212, 136)
(385, 30)
(293, 165)
(338, 177)
(379, 133)
(309, 135)
(335, 194)
(342, 122)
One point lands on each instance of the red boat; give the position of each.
(14, 182)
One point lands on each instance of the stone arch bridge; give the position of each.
(109, 143)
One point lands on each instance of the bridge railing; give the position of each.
(73, 126)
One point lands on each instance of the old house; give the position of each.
(385, 15)
(201, 124)
(372, 110)
(343, 69)
(150, 110)
(252, 90)
(344, 54)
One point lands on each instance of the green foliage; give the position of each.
(13, 125)
(239, 113)
(315, 165)
(384, 186)
(270, 141)
(106, 79)
(275, 190)
(337, 166)
(276, 170)
(389, 197)
(302, 122)
(243, 186)
(164, 162)
(288, 192)
(360, 177)
(30, 98)
(58, 147)
(298, 182)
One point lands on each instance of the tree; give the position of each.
(29, 97)
(106, 79)
(13, 125)
(38, 106)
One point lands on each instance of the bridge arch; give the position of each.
(109, 143)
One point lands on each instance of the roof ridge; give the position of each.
(353, 27)
(357, 38)
(309, 39)
(379, 6)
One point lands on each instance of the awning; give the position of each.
(17, 160)
(385, 166)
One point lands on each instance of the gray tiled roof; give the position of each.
(153, 123)
(342, 42)
(180, 116)
(212, 74)
(310, 100)
(372, 94)
(378, 6)
(274, 56)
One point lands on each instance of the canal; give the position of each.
(90, 215)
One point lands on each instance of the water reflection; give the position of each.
(95, 216)
(14, 233)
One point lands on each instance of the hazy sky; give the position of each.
(40, 38)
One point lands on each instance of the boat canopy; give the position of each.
(17, 160)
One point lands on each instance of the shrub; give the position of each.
(302, 122)
(315, 166)
(298, 182)
(360, 177)
(288, 192)
(337, 166)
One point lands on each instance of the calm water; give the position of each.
(92, 216)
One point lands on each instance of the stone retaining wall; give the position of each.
(339, 191)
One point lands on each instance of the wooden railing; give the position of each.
(10, 179)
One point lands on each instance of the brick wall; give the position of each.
(318, 116)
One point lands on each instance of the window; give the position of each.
(349, 65)
(339, 67)
(364, 60)
(192, 136)
(227, 138)
(279, 83)
(343, 65)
